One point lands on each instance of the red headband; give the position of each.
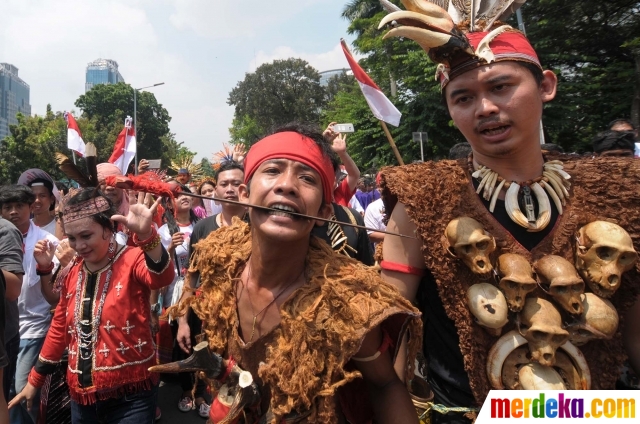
(510, 45)
(294, 146)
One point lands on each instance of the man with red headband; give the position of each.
(317, 331)
(513, 251)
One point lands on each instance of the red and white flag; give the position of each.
(125, 148)
(74, 137)
(381, 107)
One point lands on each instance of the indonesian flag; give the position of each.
(125, 148)
(381, 107)
(74, 137)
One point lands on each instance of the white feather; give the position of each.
(500, 10)
(456, 15)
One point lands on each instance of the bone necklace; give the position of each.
(554, 183)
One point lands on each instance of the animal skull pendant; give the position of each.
(465, 238)
(603, 253)
(599, 321)
(541, 325)
(516, 279)
(489, 306)
(562, 282)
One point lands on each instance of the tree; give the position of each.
(207, 169)
(31, 144)
(593, 47)
(107, 106)
(275, 94)
(394, 64)
(337, 83)
(245, 130)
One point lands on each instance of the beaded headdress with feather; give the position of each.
(460, 35)
(228, 154)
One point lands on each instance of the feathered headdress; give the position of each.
(73, 172)
(186, 162)
(228, 154)
(460, 34)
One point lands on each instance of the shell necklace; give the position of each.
(554, 183)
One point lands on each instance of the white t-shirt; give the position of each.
(34, 310)
(182, 256)
(637, 152)
(354, 203)
(373, 216)
(49, 228)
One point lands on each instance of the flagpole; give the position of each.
(391, 142)
(124, 149)
(74, 156)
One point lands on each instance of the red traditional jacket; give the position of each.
(124, 348)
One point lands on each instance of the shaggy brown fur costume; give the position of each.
(323, 323)
(435, 193)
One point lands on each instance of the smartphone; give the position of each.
(154, 163)
(343, 128)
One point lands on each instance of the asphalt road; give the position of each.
(168, 397)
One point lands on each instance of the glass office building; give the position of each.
(102, 71)
(327, 75)
(14, 97)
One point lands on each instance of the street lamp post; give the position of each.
(419, 137)
(135, 119)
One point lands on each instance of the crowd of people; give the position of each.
(292, 289)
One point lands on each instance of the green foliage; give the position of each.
(245, 130)
(207, 170)
(591, 46)
(275, 94)
(107, 106)
(32, 143)
(390, 62)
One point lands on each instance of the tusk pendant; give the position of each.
(494, 198)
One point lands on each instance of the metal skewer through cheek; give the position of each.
(299, 215)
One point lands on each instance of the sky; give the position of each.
(200, 49)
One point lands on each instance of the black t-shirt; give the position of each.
(202, 229)
(357, 238)
(446, 373)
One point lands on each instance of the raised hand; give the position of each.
(340, 144)
(140, 216)
(64, 253)
(239, 152)
(44, 252)
(329, 134)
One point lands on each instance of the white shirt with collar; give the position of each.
(374, 215)
(34, 310)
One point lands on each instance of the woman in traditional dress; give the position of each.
(103, 317)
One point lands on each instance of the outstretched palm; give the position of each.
(140, 216)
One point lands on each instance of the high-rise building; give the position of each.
(14, 98)
(325, 76)
(102, 71)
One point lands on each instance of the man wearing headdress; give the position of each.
(316, 330)
(183, 177)
(508, 198)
